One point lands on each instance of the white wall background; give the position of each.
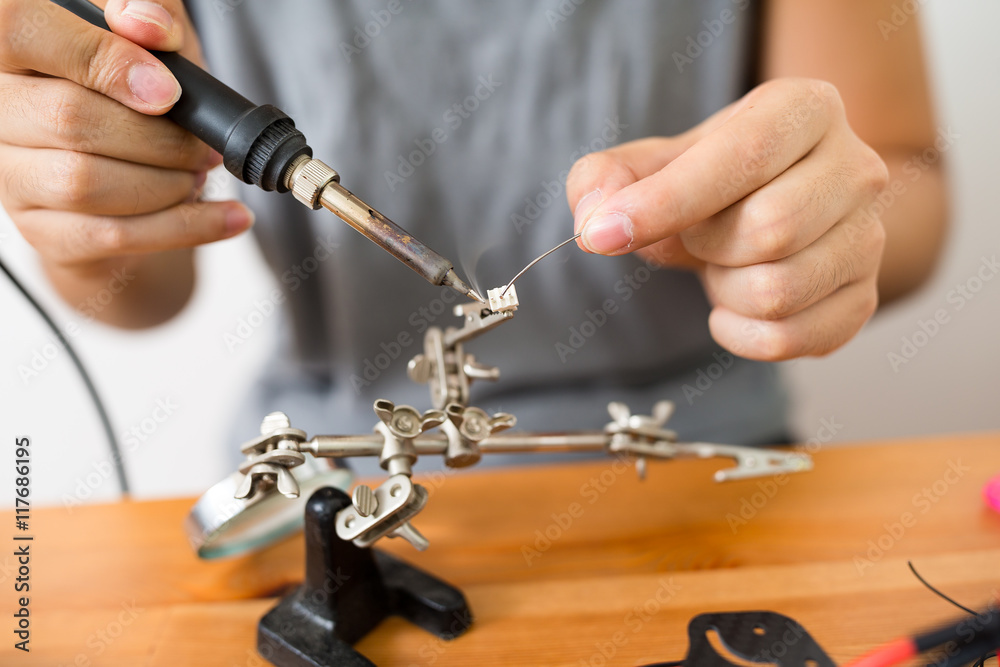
(949, 385)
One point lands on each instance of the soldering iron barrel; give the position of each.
(391, 237)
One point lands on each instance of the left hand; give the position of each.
(768, 200)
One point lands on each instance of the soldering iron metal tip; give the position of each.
(452, 280)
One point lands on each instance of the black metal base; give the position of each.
(757, 636)
(347, 592)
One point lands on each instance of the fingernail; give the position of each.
(214, 159)
(149, 12)
(153, 84)
(607, 234)
(584, 207)
(238, 218)
(199, 181)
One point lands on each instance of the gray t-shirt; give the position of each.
(459, 120)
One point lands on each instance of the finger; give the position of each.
(151, 25)
(793, 210)
(610, 170)
(83, 183)
(596, 176)
(850, 252)
(671, 252)
(70, 48)
(55, 113)
(815, 331)
(71, 238)
(773, 127)
(158, 26)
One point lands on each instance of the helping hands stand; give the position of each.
(348, 588)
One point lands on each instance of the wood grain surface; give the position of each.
(568, 565)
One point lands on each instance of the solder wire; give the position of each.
(538, 259)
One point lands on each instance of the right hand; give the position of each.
(90, 172)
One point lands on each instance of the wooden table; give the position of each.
(117, 584)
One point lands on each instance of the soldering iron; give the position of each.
(261, 146)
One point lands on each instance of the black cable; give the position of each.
(936, 591)
(982, 660)
(984, 644)
(116, 456)
(978, 650)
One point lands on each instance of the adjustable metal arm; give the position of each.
(465, 433)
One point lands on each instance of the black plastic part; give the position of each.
(757, 636)
(258, 143)
(347, 592)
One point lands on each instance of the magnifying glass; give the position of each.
(220, 525)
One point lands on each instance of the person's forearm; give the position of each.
(882, 80)
(130, 292)
(914, 211)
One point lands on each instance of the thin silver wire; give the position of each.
(537, 259)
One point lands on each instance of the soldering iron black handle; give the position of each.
(257, 143)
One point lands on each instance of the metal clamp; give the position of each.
(270, 457)
(400, 425)
(466, 428)
(384, 512)
(643, 436)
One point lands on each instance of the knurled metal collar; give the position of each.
(307, 178)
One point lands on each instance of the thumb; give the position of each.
(597, 176)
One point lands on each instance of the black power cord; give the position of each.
(116, 457)
(961, 658)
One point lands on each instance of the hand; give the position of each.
(89, 171)
(767, 200)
